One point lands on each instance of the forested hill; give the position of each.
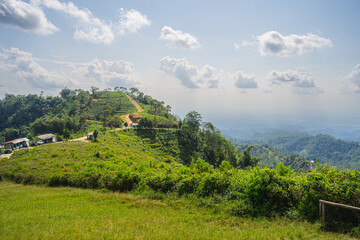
(76, 111)
(325, 148)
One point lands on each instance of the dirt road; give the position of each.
(125, 117)
(138, 107)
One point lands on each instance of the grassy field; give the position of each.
(36, 212)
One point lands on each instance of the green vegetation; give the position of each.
(270, 157)
(33, 212)
(28, 116)
(122, 161)
(78, 110)
(324, 148)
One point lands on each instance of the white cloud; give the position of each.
(88, 28)
(131, 21)
(244, 80)
(178, 38)
(26, 73)
(26, 69)
(273, 43)
(300, 80)
(109, 73)
(30, 17)
(25, 16)
(190, 75)
(351, 83)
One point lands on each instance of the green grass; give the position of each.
(36, 212)
(117, 100)
(118, 151)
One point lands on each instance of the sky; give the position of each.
(244, 65)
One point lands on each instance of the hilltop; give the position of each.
(78, 111)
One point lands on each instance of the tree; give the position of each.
(108, 111)
(145, 122)
(66, 134)
(126, 124)
(93, 90)
(247, 160)
(2, 140)
(95, 134)
(193, 121)
(66, 93)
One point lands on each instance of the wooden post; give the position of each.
(322, 208)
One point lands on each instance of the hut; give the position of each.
(90, 136)
(48, 138)
(16, 143)
(135, 117)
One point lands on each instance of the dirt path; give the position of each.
(8, 155)
(82, 139)
(125, 117)
(138, 107)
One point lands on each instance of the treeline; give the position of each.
(325, 148)
(201, 140)
(156, 107)
(270, 157)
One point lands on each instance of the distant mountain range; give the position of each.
(322, 147)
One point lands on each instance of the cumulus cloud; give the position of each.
(178, 38)
(25, 67)
(109, 73)
(351, 83)
(273, 43)
(31, 18)
(190, 75)
(88, 27)
(244, 80)
(300, 80)
(131, 21)
(25, 16)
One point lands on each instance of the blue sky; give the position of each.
(264, 60)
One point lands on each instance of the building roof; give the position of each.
(46, 136)
(15, 141)
(90, 133)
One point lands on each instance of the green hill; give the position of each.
(76, 110)
(270, 157)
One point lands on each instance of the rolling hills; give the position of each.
(324, 148)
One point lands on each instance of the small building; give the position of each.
(16, 143)
(134, 125)
(90, 136)
(48, 138)
(135, 117)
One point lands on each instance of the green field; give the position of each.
(36, 212)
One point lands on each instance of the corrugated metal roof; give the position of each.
(15, 141)
(46, 136)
